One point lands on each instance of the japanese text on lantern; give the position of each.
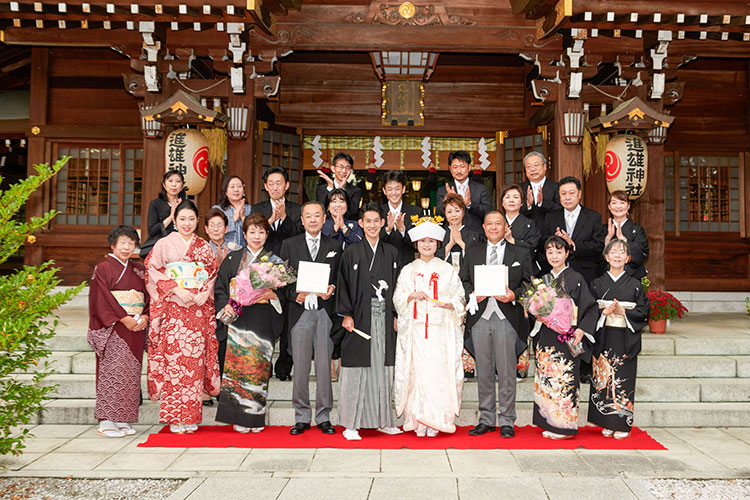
(635, 173)
(176, 152)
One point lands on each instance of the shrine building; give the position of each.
(398, 85)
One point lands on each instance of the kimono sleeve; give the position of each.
(402, 291)
(104, 310)
(221, 287)
(638, 316)
(588, 310)
(346, 278)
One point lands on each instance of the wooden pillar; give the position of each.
(241, 154)
(568, 158)
(153, 169)
(649, 212)
(39, 94)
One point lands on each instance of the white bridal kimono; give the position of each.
(429, 374)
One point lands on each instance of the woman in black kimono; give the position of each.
(251, 337)
(622, 228)
(558, 376)
(521, 231)
(618, 343)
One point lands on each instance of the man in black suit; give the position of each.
(398, 216)
(310, 321)
(342, 167)
(541, 194)
(498, 328)
(284, 218)
(476, 196)
(581, 227)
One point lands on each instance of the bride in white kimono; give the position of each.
(429, 374)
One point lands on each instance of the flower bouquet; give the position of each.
(268, 272)
(548, 302)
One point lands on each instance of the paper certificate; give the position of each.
(490, 281)
(312, 277)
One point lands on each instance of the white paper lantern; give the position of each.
(186, 150)
(626, 165)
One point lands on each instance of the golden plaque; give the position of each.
(407, 10)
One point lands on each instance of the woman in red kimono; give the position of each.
(182, 361)
(118, 314)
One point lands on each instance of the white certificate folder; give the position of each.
(490, 281)
(312, 277)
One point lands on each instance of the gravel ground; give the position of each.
(680, 489)
(26, 488)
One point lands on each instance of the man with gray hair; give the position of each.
(541, 194)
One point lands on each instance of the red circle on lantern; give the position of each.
(200, 162)
(612, 166)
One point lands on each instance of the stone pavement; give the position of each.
(286, 474)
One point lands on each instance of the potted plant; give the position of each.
(664, 306)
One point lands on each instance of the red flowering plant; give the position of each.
(664, 305)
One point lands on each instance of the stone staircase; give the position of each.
(698, 374)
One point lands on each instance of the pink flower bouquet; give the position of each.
(548, 302)
(267, 273)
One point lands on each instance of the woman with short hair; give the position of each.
(118, 315)
(458, 237)
(337, 225)
(621, 227)
(618, 342)
(251, 336)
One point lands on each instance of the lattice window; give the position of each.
(702, 193)
(100, 185)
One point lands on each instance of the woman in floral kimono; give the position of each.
(251, 336)
(558, 375)
(118, 315)
(429, 300)
(618, 343)
(182, 361)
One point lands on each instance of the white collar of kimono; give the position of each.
(623, 222)
(617, 277)
(510, 222)
(426, 229)
(555, 275)
(118, 259)
(374, 248)
(253, 254)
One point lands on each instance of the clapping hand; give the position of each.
(325, 177)
(564, 235)
(509, 235)
(529, 197)
(390, 222)
(400, 225)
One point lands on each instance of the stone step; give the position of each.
(83, 386)
(675, 366)
(282, 413)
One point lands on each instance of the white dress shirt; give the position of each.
(492, 306)
(571, 218)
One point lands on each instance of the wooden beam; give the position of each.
(38, 102)
(650, 213)
(649, 7)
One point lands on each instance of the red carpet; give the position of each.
(527, 438)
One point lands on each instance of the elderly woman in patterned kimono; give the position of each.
(429, 300)
(182, 361)
(118, 314)
(251, 336)
(558, 376)
(624, 314)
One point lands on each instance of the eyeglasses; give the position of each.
(343, 166)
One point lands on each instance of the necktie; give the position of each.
(313, 248)
(569, 220)
(493, 256)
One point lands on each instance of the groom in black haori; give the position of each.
(364, 298)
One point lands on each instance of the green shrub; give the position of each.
(27, 303)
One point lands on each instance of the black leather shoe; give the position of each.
(507, 431)
(208, 402)
(298, 428)
(326, 428)
(283, 377)
(481, 429)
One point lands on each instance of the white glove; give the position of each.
(472, 306)
(311, 302)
